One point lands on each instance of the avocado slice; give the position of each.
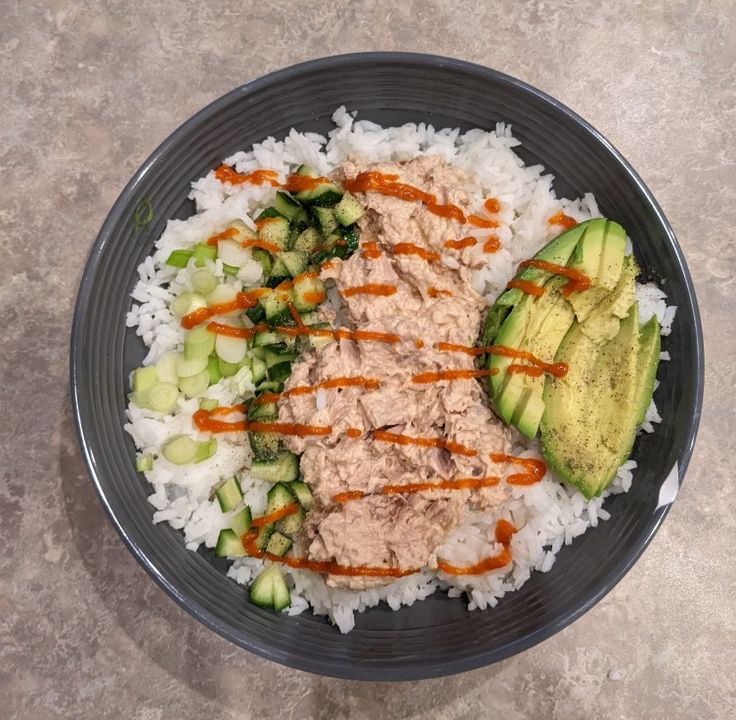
(647, 363)
(602, 324)
(556, 251)
(518, 397)
(590, 416)
(600, 255)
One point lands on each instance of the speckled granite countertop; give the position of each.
(88, 90)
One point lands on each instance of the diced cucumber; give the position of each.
(179, 258)
(255, 314)
(204, 252)
(326, 220)
(241, 521)
(143, 378)
(299, 222)
(269, 212)
(179, 450)
(291, 523)
(229, 544)
(348, 210)
(230, 349)
(203, 281)
(261, 590)
(286, 205)
(279, 271)
(266, 412)
(187, 303)
(229, 494)
(199, 343)
(269, 386)
(276, 354)
(294, 262)
(308, 293)
(278, 544)
(319, 341)
(275, 231)
(166, 367)
(351, 238)
(264, 535)
(307, 241)
(279, 496)
(188, 368)
(325, 194)
(265, 446)
(144, 463)
(275, 305)
(205, 450)
(263, 258)
(258, 368)
(208, 404)
(284, 467)
(281, 594)
(279, 372)
(266, 337)
(195, 384)
(302, 493)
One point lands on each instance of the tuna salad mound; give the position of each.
(389, 362)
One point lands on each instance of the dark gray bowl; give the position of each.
(437, 636)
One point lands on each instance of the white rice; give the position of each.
(548, 514)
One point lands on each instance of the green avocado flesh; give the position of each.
(589, 421)
(588, 418)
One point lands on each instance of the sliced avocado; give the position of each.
(647, 363)
(518, 399)
(600, 256)
(557, 251)
(511, 334)
(589, 421)
(603, 322)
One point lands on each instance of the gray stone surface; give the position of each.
(87, 90)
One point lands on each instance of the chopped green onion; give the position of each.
(187, 303)
(162, 397)
(224, 294)
(244, 381)
(230, 349)
(180, 450)
(195, 384)
(227, 369)
(187, 368)
(208, 404)
(213, 368)
(205, 450)
(144, 463)
(203, 252)
(166, 368)
(179, 258)
(199, 343)
(229, 269)
(143, 378)
(203, 281)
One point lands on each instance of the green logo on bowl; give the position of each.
(143, 214)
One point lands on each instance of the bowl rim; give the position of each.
(370, 672)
